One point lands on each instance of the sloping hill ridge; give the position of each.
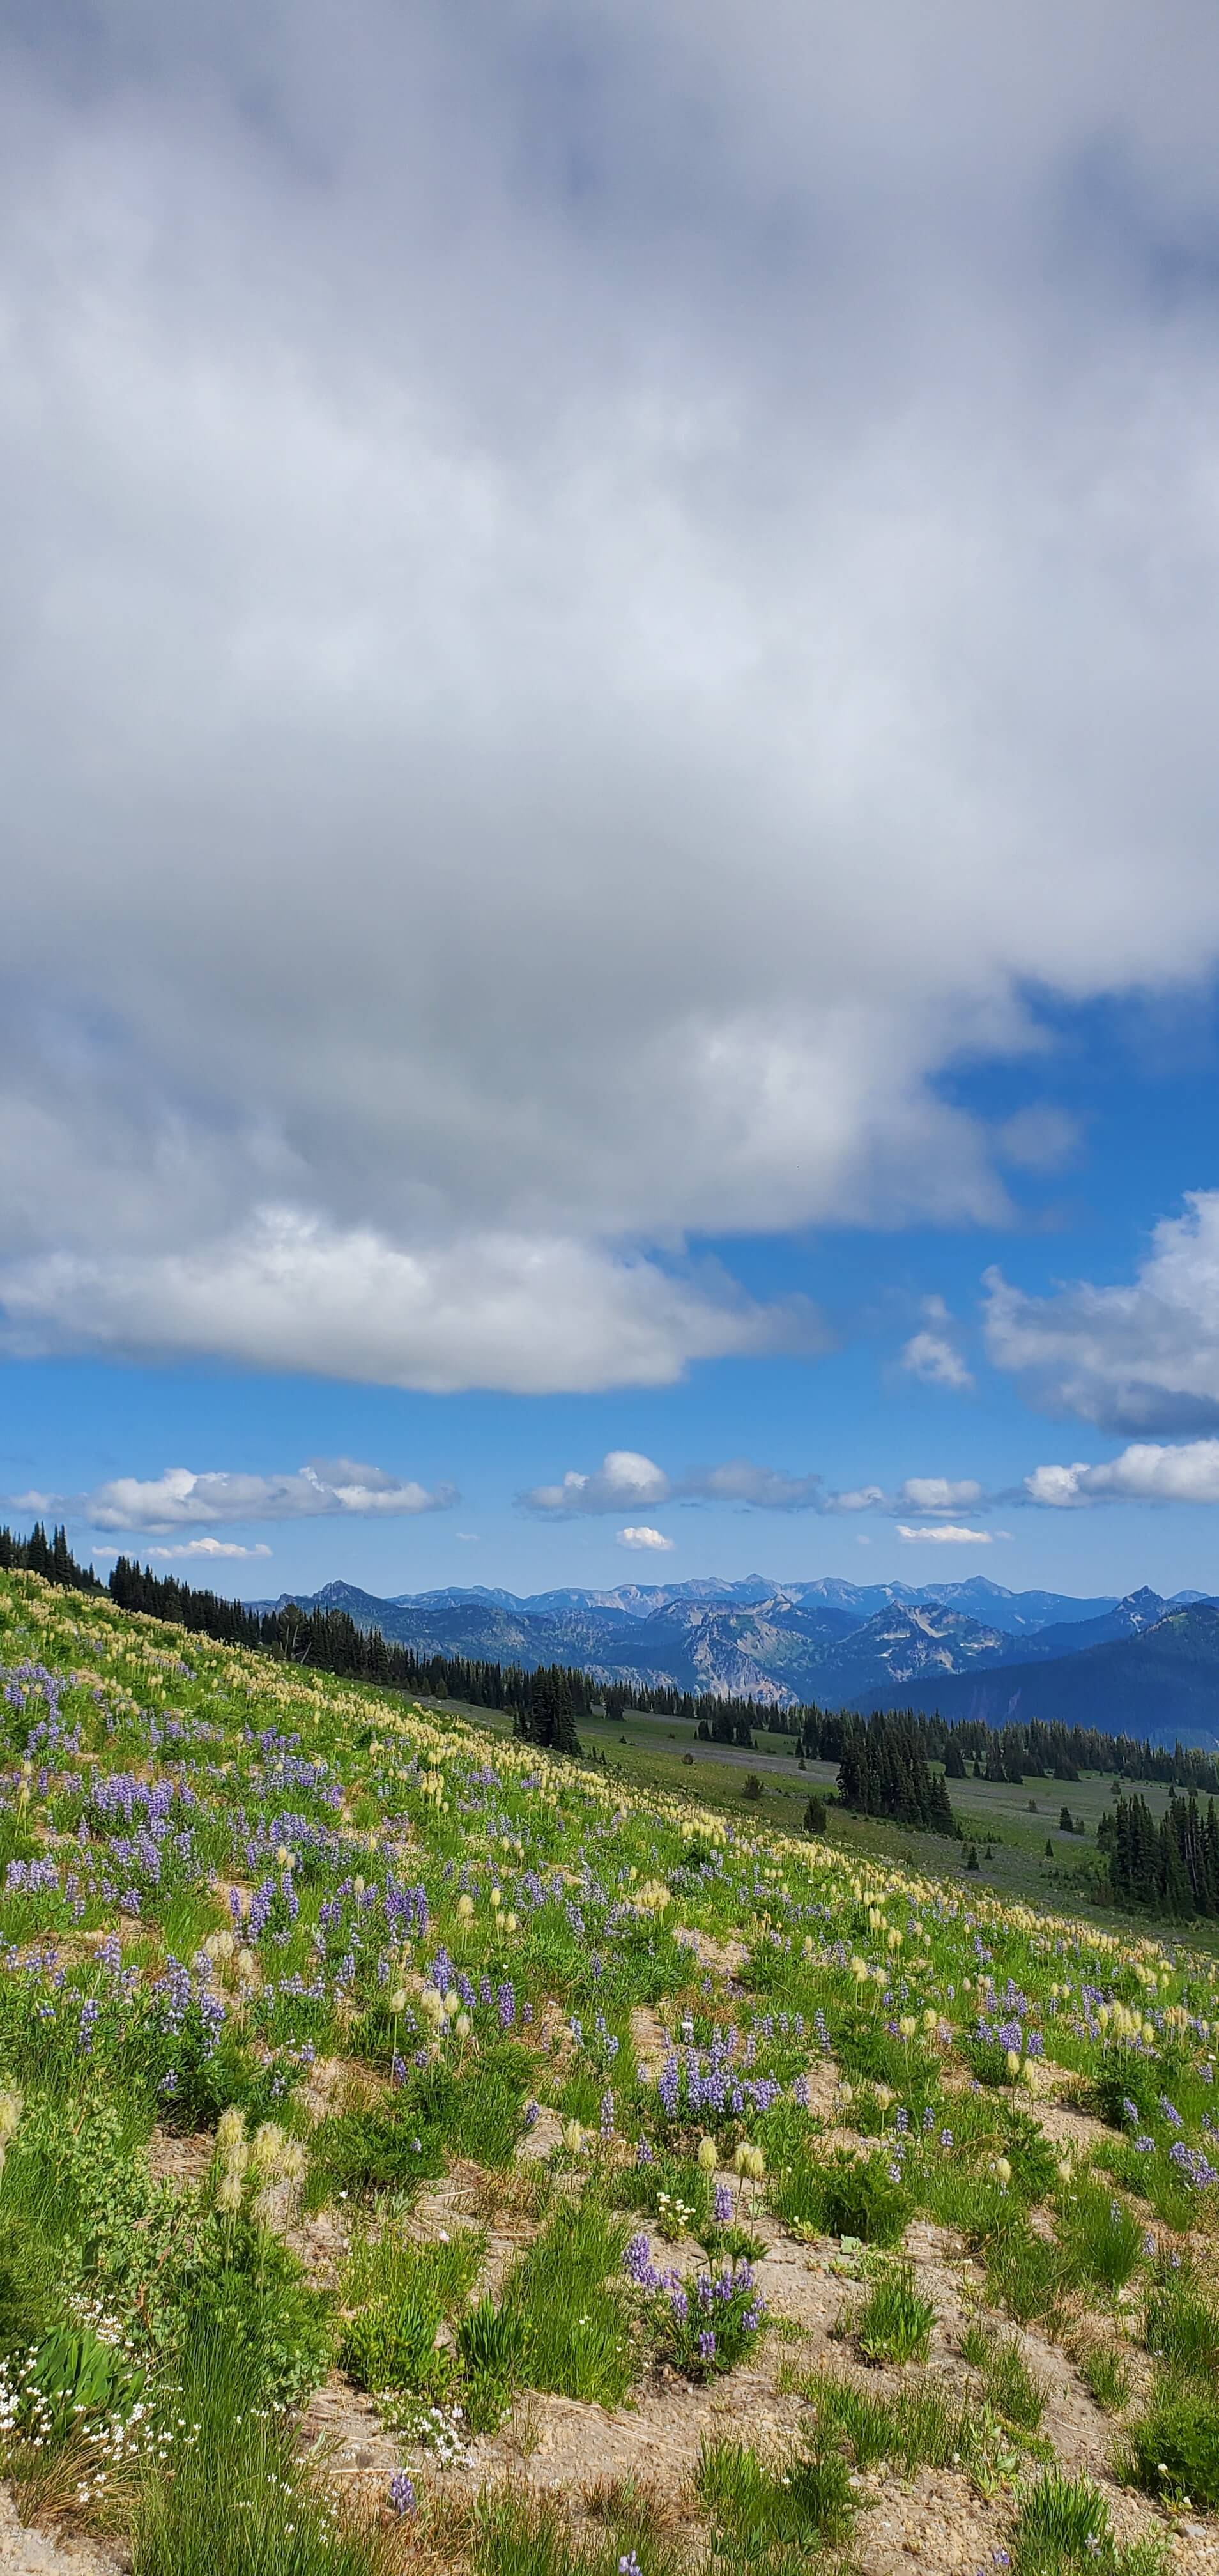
(1163, 1684)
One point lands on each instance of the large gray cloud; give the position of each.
(587, 603)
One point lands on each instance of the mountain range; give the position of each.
(1142, 1664)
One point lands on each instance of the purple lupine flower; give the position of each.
(1190, 2161)
(607, 2115)
(533, 2112)
(401, 2492)
(706, 2345)
(721, 2205)
(637, 2262)
(680, 2305)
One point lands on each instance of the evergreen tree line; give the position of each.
(884, 1772)
(50, 1557)
(331, 1641)
(1171, 1866)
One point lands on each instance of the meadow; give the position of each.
(420, 2151)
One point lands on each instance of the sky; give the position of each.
(611, 834)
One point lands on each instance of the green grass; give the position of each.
(1102, 2239)
(518, 2534)
(1171, 2446)
(1063, 2526)
(241, 2501)
(1181, 2325)
(1105, 2375)
(575, 2337)
(921, 2426)
(1012, 2388)
(400, 2293)
(772, 2513)
(895, 2321)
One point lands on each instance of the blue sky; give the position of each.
(607, 679)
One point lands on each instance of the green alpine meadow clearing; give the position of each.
(419, 2150)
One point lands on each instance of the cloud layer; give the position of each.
(587, 605)
(1143, 1357)
(184, 1499)
(625, 1476)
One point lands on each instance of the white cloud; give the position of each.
(181, 1498)
(1143, 1356)
(625, 1476)
(939, 1494)
(574, 637)
(209, 1547)
(646, 1538)
(932, 1354)
(947, 1534)
(1146, 1472)
(531, 1315)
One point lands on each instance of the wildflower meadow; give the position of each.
(377, 2094)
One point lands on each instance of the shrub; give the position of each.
(391, 2343)
(369, 2150)
(845, 2196)
(707, 2325)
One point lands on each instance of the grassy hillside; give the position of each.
(418, 2152)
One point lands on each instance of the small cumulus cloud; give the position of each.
(1147, 1472)
(642, 1536)
(946, 1534)
(182, 1498)
(624, 1476)
(932, 1353)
